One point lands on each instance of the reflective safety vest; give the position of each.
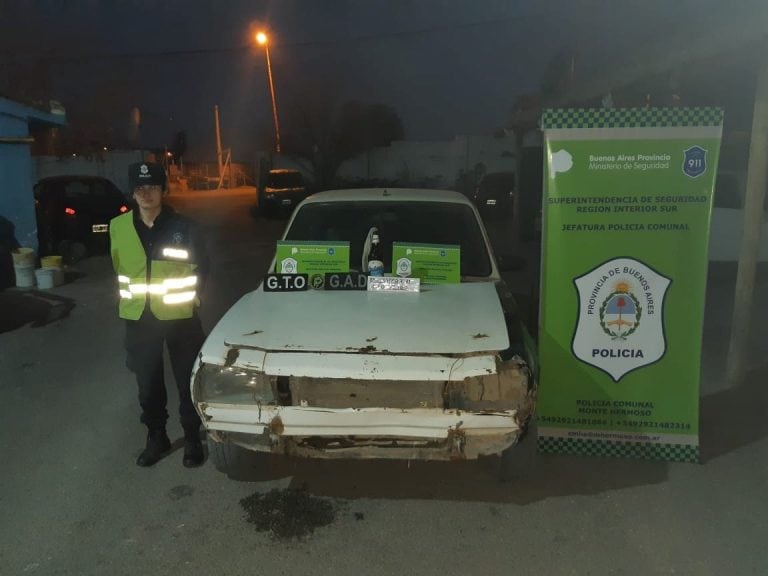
(167, 275)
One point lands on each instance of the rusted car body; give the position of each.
(445, 373)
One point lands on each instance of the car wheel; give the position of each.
(77, 251)
(225, 456)
(63, 248)
(519, 460)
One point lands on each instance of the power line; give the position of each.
(405, 33)
(247, 47)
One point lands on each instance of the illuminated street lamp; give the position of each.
(263, 40)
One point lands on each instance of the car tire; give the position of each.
(519, 460)
(71, 251)
(225, 456)
(77, 252)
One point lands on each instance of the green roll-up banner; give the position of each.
(627, 205)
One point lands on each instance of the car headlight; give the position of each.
(231, 384)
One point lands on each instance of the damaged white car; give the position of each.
(439, 371)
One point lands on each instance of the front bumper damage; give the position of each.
(363, 432)
(352, 418)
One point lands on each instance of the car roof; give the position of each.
(388, 195)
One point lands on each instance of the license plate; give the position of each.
(100, 228)
(490, 202)
(287, 202)
(393, 284)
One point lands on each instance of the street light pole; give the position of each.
(263, 40)
(218, 138)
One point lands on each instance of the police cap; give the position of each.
(146, 174)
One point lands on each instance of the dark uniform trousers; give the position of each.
(144, 339)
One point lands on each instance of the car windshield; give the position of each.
(417, 222)
(285, 180)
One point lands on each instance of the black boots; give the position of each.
(157, 445)
(193, 448)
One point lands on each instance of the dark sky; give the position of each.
(447, 66)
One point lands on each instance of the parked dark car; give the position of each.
(73, 214)
(495, 195)
(283, 190)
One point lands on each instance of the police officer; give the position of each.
(161, 264)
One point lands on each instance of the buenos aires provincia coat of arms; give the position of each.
(620, 325)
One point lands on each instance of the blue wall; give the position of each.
(17, 202)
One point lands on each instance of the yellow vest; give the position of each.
(168, 277)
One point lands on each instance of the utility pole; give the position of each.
(218, 141)
(136, 130)
(757, 178)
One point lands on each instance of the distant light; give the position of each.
(169, 154)
(105, 148)
(261, 38)
(69, 211)
(74, 155)
(123, 209)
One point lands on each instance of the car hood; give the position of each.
(441, 319)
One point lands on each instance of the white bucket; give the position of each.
(23, 257)
(44, 278)
(58, 275)
(25, 276)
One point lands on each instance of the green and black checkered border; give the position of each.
(630, 117)
(587, 447)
